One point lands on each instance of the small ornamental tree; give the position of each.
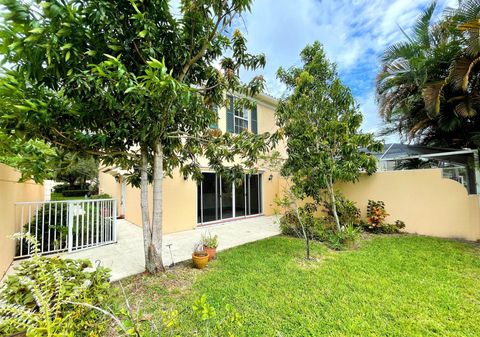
(75, 170)
(134, 83)
(321, 123)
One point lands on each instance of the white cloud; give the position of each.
(354, 34)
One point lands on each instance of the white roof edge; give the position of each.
(264, 98)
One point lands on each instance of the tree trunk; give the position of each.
(334, 204)
(147, 233)
(154, 263)
(305, 234)
(308, 247)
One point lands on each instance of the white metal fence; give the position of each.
(68, 225)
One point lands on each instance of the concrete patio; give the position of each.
(126, 257)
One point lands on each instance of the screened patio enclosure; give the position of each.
(220, 200)
(461, 165)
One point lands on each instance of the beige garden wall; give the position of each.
(108, 184)
(179, 201)
(12, 191)
(428, 203)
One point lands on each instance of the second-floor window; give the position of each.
(240, 120)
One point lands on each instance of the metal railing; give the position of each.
(67, 225)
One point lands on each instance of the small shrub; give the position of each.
(75, 193)
(339, 240)
(376, 215)
(290, 222)
(347, 211)
(40, 298)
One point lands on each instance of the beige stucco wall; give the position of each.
(428, 203)
(108, 184)
(179, 201)
(12, 191)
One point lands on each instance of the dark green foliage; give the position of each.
(317, 228)
(290, 222)
(348, 212)
(37, 299)
(33, 158)
(76, 193)
(76, 170)
(340, 240)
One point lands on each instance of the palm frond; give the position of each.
(465, 109)
(460, 72)
(400, 50)
(421, 28)
(432, 95)
(468, 10)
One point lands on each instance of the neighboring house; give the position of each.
(188, 204)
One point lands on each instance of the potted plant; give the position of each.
(210, 244)
(199, 256)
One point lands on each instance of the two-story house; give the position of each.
(188, 204)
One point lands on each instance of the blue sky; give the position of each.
(354, 34)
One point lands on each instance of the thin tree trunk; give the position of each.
(154, 263)
(147, 233)
(304, 233)
(334, 204)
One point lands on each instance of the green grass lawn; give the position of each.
(390, 286)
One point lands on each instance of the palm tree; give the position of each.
(427, 89)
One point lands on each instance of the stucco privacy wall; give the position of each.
(108, 184)
(12, 191)
(428, 203)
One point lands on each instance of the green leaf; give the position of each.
(143, 33)
(23, 107)
(66, 46)
(37, 30)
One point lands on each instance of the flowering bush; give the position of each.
(376, 215)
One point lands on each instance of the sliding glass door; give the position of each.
(254, 193)
(226, 197)
(240, 198)
(219, 200)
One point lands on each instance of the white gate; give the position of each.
(68, 225)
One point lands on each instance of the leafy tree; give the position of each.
(321, 122)
(428, 89)
(76, 170)
(134, 83)
(33, 158)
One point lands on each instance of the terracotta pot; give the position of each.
(212, 252)
(200, 261)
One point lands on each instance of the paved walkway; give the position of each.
(126, 257)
